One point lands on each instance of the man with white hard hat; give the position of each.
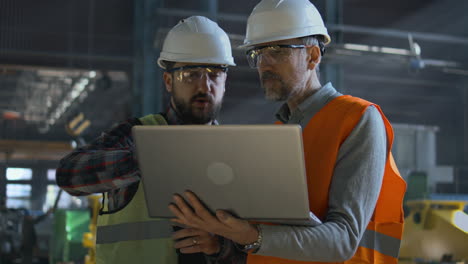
(195, 56)
(354, 185)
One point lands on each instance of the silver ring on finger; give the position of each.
(194, 241)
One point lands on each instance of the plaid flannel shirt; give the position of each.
(106, 165)
(109, 165)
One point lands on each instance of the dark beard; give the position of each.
(185, 113)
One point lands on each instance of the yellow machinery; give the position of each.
(435, 232)
(89, 238)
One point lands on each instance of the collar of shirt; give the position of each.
(173, 117)
(308, 108)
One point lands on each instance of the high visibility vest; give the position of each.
(129, 235)
(322, 138)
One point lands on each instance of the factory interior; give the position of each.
(70, 70)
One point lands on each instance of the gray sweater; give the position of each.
(354, 190)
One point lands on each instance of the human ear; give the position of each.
(168, 81)
(314, 56)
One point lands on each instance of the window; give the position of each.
(404, 148)
(51, 175)
(18, 195)
(66, 200)
(18, 174)
(19, 187)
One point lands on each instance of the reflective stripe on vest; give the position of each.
(384, 244)
(133, 231)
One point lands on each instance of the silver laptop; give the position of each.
(256, 172)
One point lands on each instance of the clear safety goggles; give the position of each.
(194, 73)
(272, 53)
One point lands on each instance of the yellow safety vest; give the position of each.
(129, 235)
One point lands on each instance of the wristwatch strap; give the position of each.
(252, 247)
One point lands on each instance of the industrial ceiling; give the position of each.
(77, 60)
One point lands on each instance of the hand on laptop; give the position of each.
(191, 240)
(222, 224)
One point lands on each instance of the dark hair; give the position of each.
(168, 64)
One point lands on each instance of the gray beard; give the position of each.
(277, 96)
(278, 93)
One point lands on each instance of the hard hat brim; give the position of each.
(282, 36)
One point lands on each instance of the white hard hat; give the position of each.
(273, 20)
(197, 39)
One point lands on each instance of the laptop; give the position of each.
(256, 172)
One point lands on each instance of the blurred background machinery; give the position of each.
(89, 238)
(436, 231)
(436, 208)
(10, 234)
(60, 236)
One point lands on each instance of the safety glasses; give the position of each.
(194, 73)
(273, 53)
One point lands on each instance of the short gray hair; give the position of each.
(315, 40)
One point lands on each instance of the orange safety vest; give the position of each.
(322, 139)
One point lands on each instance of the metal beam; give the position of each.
(186, 13)
(39, 187)
(395, 80)
(395, 33)
(332, 26)
(334, 16)
(9, 105)
(465, 123)
(11, 93)
(415, 117)
(397, 100)
(211, 6)
(66, 55)
(33, 150)
(147, 83)
(334, 72)
(2, 181)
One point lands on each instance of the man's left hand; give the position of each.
(190, 240)
(222, 224)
